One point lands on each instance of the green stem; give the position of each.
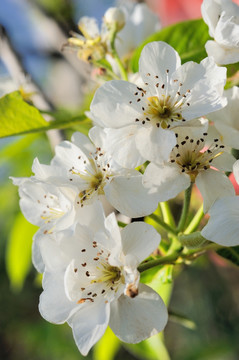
(195, 221)
(123, 73)
(167, 214)
(170, 259)
(175, 245)
(186, 204)
(167, 227)
(115, 55)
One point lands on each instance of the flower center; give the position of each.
(94, 173)
(89, 48)
(98, 277)
(52, 214)
(96, 181)
(108, 273)
(166, 107)
(159, 110)
(190, 157)
(53, 209)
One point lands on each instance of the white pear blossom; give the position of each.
(226, 120)
(223, 225)
(191, 162)
(139, 120)
(46, 205)
(222, 17)
(91, 173)
(91, 281)
(92, 45)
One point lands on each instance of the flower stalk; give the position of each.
(195, 221)
(164, 225)
(114, 53)
(170, 259)
(186, 204)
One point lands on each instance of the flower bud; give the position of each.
(115, 16)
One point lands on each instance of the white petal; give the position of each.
(205, 91)
(224, 162)
(227, 30)
(215, 76)
(83, 142)
(223, 225)
(211, 11)
(230, 135)
(91, 215)
(135, 319)
(98, 136)
(53, 257)
(192, 128)
(140, 23)
(128, 195)
(139, 240)
(89, 27)
(89, 324)
(112, 226)
(36, 253)
(54, 306)
(156, 58)
(165, 181)
(212, 185)
(41, 171)
(67, 155)
(113, 98)
(120, 143)
(155, 144)
(222, 55)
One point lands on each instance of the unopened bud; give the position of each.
(113, 16)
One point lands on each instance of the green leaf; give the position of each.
(18, 254)
(19, 118)
(188, 38)
(231, 254)
(107, 347)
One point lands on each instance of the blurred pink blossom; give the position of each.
(172, 11)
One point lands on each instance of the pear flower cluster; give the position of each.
(87, 262)
(150, 141)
